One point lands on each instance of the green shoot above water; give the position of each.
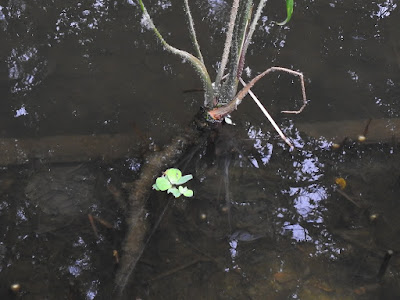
(171, 181)
(289, 9)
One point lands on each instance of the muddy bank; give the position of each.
(375, 130)
(81, 148)
(65, 149)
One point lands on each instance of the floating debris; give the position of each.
(341, 182)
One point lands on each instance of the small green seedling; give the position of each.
(171, 181)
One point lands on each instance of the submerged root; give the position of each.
(134, 245)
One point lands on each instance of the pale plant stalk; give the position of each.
(253, 25)
(193, 32)
(240, 39)
(228, 41)
(229, 87)
(241, 60)
(270, 119)
(234, 42)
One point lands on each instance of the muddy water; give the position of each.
(265, 223)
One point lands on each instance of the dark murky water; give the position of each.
(265, 223)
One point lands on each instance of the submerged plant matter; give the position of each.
(221, 97)
(137, 218)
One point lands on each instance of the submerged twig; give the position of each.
(103, 222)
(116, 256)
(227, 191)
(367, 127)
(180, 268)
(385, 264)
(362, 290)
(90, 217)
(349, 198)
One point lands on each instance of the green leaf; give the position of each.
(173, 175)
(289, 8)
(183, 189)
(163, 184)
(184, 179)
(188, 193)
(155, 187)
(174, 191)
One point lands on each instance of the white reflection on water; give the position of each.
(21, 215)
(384, 10)
(264, 149)
(21, 112)
(15, 62)
(218, 10)
(80, 265)
(164, 4)
(3, 20)
(233, 249)
(92, 291)
(24, 66)
(74, 21)
(307, 201)
(299, 233)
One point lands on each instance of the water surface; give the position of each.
(265, 223)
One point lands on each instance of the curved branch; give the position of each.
(220, 112)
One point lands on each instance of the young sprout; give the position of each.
(171, 181)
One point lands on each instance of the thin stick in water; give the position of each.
(270, 119)
(349, 198)
(385, 264)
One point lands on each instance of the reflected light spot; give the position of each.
(232, 250)
(74, 270)
(299, 233)
(384, 10)
(21, 112)
(92, 292)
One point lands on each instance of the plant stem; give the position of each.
(253, 26)
(193, 32)
(196, 63)
(228, 41)
(230, 85)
